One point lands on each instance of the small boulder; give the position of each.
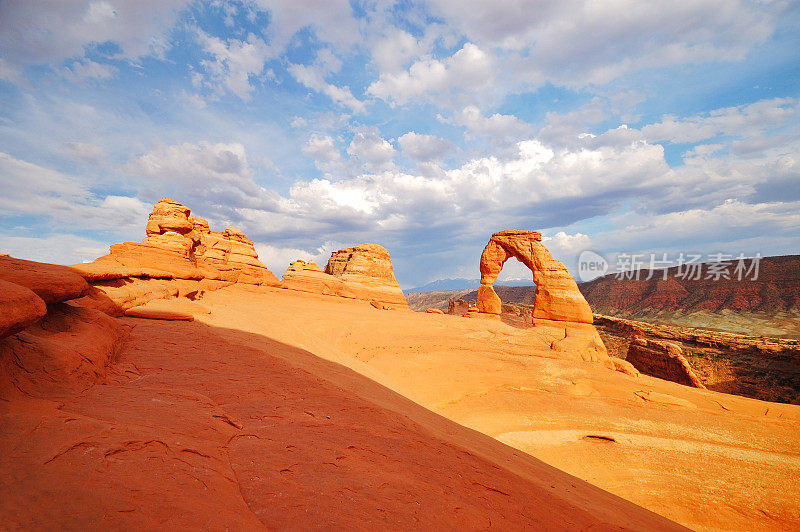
(169, 215)
(434, 311)
(623, 366)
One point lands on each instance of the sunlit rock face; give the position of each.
(178, 255)
(358, 272)
(557, 294)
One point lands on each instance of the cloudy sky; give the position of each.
(615, 126)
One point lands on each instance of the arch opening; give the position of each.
(557, 294)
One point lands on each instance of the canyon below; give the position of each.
(177, 382)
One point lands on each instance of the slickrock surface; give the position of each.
(661, 359)
(707, 460)
(64, 353)
(197, 427)
(168, 309)
(19, 308)
(51, 282)
(557, 294)
(286, 409)
(180, 254)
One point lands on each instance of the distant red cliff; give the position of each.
(777, 287)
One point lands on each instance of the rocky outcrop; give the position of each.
(662, 359)
(19, 308)
(169, 216)
(557, 294)
(367, 270)
(365, 261)
(230, 256)
(179, 253)
(46, 345)
(738, 344)
(51, 282)
(360, 272)
(752, 366)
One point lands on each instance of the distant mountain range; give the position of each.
(442, 285)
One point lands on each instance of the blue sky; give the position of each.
(618, 127)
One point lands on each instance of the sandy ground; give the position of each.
(707, 460)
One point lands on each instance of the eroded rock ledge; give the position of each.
(181, 256)
(50, 345)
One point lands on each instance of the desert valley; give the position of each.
(179, 381)
(399, 265)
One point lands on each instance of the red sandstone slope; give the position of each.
(191, 431)
(777, 288)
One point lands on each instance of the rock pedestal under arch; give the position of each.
(557, 294)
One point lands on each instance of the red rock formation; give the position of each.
(169, 215)
(662, 359)
(178, 247)
(367, 270)
(19, 308)
(51, 282)
(360, 272)
(557, 294)
(558, 302)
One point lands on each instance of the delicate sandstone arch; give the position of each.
(557, 294)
